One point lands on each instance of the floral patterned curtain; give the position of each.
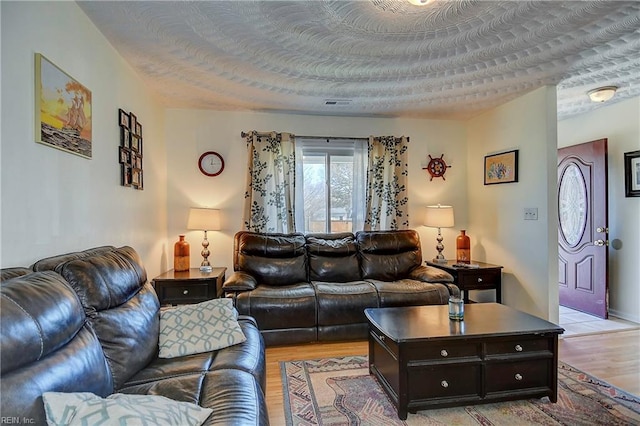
(386, 189)
(270, 194)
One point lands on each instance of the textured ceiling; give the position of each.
(449, 59)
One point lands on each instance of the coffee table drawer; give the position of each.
(444, 351)
(444, 381)
(517, 346)
(509, 376)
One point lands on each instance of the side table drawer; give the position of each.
(517, 375)
(477, 279)
(184, 292)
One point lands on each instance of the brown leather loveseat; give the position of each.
(89, 322)
(315, 287)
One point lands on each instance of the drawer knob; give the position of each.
(518, 376)
(444, 352)
(444, 384)
(479, 280)
(185, 292)
(518, 348)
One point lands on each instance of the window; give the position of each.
(330, 184)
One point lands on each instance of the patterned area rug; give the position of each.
(340, 391)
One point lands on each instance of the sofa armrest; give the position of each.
(239, 281)
(429, 274)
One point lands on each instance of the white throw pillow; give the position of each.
(203, 327)
(84, 408)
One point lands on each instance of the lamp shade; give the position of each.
(204, 219)
(438, 216)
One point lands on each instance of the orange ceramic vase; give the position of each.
(463, 248)
(181, 252)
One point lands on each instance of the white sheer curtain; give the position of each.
(324, 148)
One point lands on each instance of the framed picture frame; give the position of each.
(125, 137)
(135, 143)
(136, 161)
(125, 155)
(123, 118)
(126, 175)
(501, 167)
(133, 122)
(136, 177)
(632, 174)
(62, 110)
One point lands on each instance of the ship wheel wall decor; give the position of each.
(436, 167)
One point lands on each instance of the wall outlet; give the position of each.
(530, 213)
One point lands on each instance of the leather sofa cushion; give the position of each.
(105, 280)
(278, 307)
(388, 255)
(9, 273)
(40, 314)
(79, 366)
(53, 262)
(121, 307)
(333, 257)
(45, 345)
(234, 395)
(247, 356)
(344, 303)
(409, 292)
(273, 259)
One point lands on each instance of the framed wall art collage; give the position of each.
(130, 151)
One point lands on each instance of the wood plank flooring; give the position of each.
(612, 357)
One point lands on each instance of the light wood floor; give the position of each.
(613, 357)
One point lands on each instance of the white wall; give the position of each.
(192, 132)
(499, 234)
(53, 201)
(620, 124)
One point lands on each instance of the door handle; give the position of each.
(601, 243)
(602, 229)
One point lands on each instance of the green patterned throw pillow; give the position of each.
(203, 327)
(84, 408)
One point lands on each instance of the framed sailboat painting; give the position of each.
(62, 109)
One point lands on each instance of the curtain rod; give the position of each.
(244, 135)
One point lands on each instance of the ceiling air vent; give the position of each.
(337, 101)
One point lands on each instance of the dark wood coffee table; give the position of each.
(423, 360)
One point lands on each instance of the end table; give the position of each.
(483, 277)
(192, 286)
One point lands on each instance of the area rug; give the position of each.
(340, 391)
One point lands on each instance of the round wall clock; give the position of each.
(436, 167)
(211, 163)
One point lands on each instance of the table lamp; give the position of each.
(439, 217)
(204, 220)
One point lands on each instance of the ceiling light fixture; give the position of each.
(602, 94)
(420, 2)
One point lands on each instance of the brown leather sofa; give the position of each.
(315, 287)
(89, 322)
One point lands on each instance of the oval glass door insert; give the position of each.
(572, 205)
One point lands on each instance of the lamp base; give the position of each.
(439, 260)
(206, 268)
